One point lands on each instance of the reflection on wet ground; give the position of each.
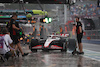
(50, 59)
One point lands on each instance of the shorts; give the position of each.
(15, 39)
(79, 37)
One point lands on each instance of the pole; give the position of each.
(40, 5)
(65, 13)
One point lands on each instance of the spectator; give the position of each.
(89, 9)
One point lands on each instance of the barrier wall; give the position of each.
(91, 34)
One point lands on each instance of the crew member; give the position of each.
(61, 30)
(14, 28)
(34, 32)
(79, 33)
(43, 32)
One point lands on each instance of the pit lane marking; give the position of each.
(92, 54)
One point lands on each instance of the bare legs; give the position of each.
(80, 47)
(19, 47)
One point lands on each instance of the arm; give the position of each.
(80, 28)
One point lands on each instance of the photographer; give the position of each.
(5, 42)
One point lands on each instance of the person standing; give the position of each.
(14, 28)
(34, 32)
(42, 32)
(79, 33)
(23, 35)
(61, 30)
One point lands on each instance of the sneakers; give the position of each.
(75, 52)
(78, 53)
(81, 53)
(25, 54)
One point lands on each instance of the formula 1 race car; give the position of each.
(53, 42)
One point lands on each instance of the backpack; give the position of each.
(2, 41)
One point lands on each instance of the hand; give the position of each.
(20, 29)
(81, 34)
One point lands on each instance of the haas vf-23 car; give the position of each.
(53, 42)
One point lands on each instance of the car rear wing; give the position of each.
(64, 35)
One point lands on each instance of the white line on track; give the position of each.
(90, 54)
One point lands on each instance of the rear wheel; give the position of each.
(71, 44)
(33, 43)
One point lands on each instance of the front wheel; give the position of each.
(64, 47)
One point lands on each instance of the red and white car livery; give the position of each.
(53, 42)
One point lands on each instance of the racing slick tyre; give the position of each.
(71, 44)
(33, 43)
(64, 47)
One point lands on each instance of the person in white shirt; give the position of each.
(7, 42)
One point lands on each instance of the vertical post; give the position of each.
(65, 13)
